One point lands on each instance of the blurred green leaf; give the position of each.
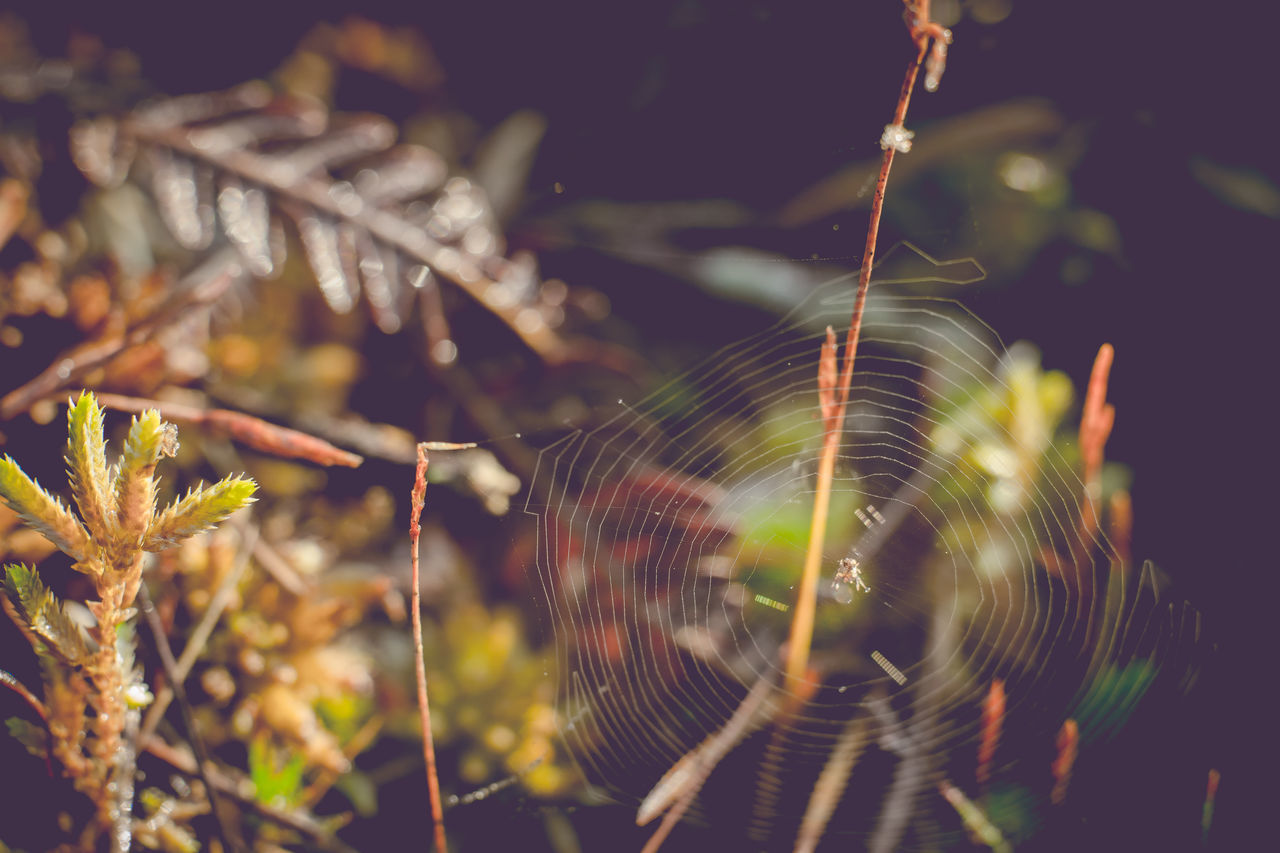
(274, 782)
(31, 736)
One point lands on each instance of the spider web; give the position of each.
(671, 538)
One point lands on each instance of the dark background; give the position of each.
(755, 100)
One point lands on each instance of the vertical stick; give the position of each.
(418, 498)
(801, 636)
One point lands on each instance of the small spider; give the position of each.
(848, 571)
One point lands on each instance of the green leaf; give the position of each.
(27, 733)
(87, 467)
(201, 509)
(135, 491)
(42, 511)
(274, 783)
(44, 614)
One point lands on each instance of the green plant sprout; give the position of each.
(93, 691)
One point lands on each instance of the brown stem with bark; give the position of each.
(801, 636)
(418, 498)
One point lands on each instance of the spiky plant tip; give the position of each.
(43, 614)
(87, 466)
(149, 439)
(42, 511)
(202, 508)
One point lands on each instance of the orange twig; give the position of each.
(923, 30)
(1210, 795)
(21, 689)
(1068, 743)
(992, 723)
(418, 498)
(247, 429)
(1096, 421)
(197, 291)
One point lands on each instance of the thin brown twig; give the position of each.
(418, 498)
(199, 636)
(18, 687)
(228, 830)
(280, 569)
(199, 289)
(923, 30)
(992, 723)
(1067, 744)
(248, 429)
(1096, 421)
(242, 791)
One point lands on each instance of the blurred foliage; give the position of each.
(301, 669)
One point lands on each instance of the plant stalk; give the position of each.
(418, 499)
(801, 635)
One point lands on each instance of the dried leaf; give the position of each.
(247, 222)
(406, 172)
(173, 182)
(379, 273)
(320, 239)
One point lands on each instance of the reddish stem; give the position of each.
(1068, 743)
(801, 634)
(418, 498)
(992, 723)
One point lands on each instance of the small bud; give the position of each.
(138, 695)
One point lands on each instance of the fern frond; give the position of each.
(87, 467)
(201, 509)
(42, 511)
(230, 164)
(135, 488)
(44, 615)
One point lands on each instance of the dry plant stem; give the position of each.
(200, 635)
(974, 818)
(241, 790)
(418, 498)
(198, 290)
(1068, 744)
(675, 791)
(271, 562)
(801, 634)
(18, 687)
(228, 829)
(831, 784)
(255, 432)
(1096, 421)
(992, 723)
